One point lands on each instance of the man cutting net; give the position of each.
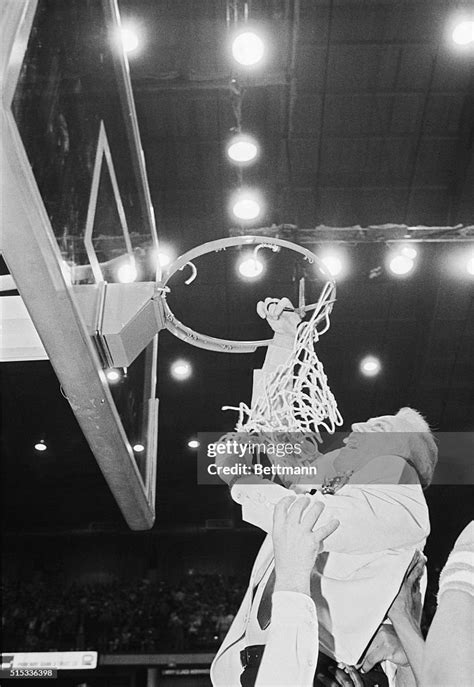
(373, 489)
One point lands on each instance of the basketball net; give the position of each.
(296, 397)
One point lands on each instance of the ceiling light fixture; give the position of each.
(333, 263)
(246, 206)
(248, 49)
(402, 260)
(250, 268)
(401, 264)
(409, 251)
(127, 273)
(129, 40)
(463, 33)
(113, 375)
(370, 366)
(181, 369)
(242, 149)
(164, 259)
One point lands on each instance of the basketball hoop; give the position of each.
(296, 396)
(180, 330)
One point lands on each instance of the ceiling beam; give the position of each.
(419, 138)
(156, 85)
(382, 233)
(325, 80)
(291, 94)
(300, 138)
(464, 156)
(150, 85)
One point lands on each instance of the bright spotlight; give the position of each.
(181, 369)
(138, 448)
(470, 265)
(246, 206)
(333, 264)
(193, 443)
(370, 366)
(242, 149)
(164, 259)
(250, 268)
(129, 40)
(113, 375)
(248, 48)
(40, 446)
(409, 251)
(401, 264)
(127, 273)
(463, 33)
(164, 255)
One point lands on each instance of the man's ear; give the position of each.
(409, 474)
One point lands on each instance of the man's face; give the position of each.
(384, 423)
(361, 445)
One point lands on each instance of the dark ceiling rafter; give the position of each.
(156, 85)
(419, 138)
(464, 153)
(462, 341)
(388, 233)
(150, 85)
(293, 11)
(322, 110)
(374, 187)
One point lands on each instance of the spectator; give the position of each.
(175, 625)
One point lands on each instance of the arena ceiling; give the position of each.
(365, 116)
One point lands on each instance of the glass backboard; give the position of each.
(78, 220)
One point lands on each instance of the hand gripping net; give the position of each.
(296, 397)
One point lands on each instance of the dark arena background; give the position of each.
(118, 119)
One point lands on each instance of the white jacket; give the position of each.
(357, 575)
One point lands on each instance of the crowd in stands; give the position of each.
(139, 616)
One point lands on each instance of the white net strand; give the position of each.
(296, 397)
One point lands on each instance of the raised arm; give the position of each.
(374, 517)
(284, 325)
(405, 614)
(291, 650)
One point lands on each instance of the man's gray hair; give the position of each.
(424, 453)
(413, 418)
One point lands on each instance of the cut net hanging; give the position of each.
(296, 397)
